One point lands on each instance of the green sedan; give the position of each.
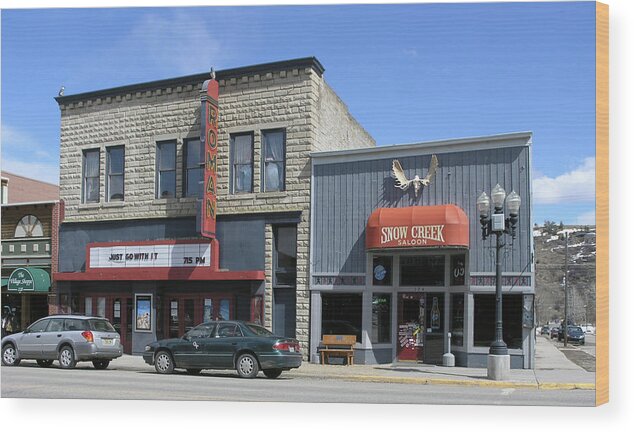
(245, 347)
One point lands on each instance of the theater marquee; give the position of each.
(154, 256)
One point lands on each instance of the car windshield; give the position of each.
(101, 325)
(575, 329)
(258, 330)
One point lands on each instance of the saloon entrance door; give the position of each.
(420, 327)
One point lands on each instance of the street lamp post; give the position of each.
(496, 223)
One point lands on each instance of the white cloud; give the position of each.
(24, 155)
(575, 186)
(587, 218)
(13, 138)
(410, 52)
(182, 41)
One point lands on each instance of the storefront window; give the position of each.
(382, 271)
(224, 309)
(381, 322)
(341, 314)
(101, 306)
(457, 270)
(208, 310)
(484, 320)
(457, 319)
(88, 306)
(285, 256)
(425, 270)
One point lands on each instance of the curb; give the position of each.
(458, 382)
(425, 381)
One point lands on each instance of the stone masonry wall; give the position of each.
(297, 100)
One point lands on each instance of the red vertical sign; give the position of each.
(209, 140)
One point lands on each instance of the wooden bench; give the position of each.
(338, 346)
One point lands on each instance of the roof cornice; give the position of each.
(306, 62)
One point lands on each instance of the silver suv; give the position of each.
(67, 338)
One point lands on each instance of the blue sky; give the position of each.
(408, 73)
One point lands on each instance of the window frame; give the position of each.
(109, 174)
(186, 169)
(232, 165)
(84, 177)
(158, 167)
(263, 161)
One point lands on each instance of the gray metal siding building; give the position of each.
(348, 186)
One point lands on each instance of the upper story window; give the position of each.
(166, 169)
(90, 193)
(242, 163)
(29, 226)
(193, 168)
(273, 158)
(114, 170)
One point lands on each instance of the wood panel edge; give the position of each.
(602, 204)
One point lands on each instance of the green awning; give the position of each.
(29, 279)
(4, 282)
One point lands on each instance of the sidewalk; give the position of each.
(553, 371)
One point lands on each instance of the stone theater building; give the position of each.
(131, 179)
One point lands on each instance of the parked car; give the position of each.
(66, 338)
(554, 331)
(245, 347)
(575, 334)
(588, 328)
(545, 330)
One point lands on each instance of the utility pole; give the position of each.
(565, 327)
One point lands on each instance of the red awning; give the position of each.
(418, 226)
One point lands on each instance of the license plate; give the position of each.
(108, 341)
(291, 349)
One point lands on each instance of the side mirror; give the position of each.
(186, 337)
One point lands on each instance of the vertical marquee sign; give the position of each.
(209, 141)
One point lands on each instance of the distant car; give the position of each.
(245, 347)
(575, 334)
(588, 328)
(66, 338)
(554, 331)
(545, 330)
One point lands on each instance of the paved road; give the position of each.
(30, 381)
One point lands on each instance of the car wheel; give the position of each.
(163, 362)
(100, 364)
(67, 358)
(247, 366)
(193, 371)
(272, 373)
(10, 356)
(44, 363)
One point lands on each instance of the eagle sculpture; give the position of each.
(403, 183)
